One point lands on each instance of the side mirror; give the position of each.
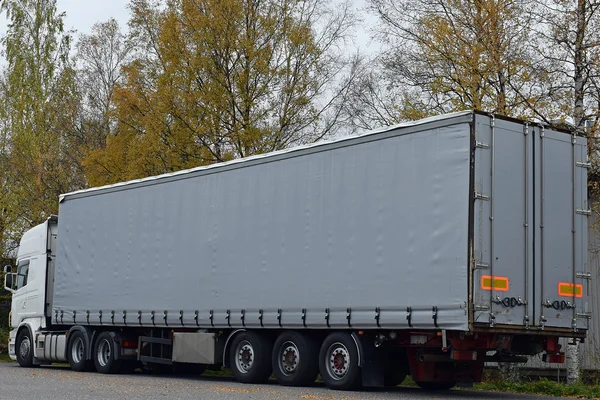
(8, 279)
(8, 282)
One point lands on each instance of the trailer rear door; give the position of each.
(503, 223)
(530, 226)
(561, 230)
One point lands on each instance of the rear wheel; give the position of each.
(24, 348)
(250, 357)
(434, 386)
(77, 352)
(338, 362)
(395, 367)
(104, 354)
(295, 359)
(394, 377)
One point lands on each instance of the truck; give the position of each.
(427, 248)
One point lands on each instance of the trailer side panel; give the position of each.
(338, 236)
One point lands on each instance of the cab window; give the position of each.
(22, 274)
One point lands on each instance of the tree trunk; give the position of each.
(572, 351)
(510, 372)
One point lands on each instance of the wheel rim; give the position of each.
(289, 358)
(338, 361)
(25, 347)
(104, 353)
(77, 351)
(245, 357)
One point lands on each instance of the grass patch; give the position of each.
(222, 372)
(5, 358)
(542, 387)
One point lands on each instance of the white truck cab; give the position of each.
(27, 283)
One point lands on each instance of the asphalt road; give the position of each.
(60, 383)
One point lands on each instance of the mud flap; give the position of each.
(370, 360)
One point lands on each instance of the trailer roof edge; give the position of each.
(459, 117)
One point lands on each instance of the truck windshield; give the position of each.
(22, 273)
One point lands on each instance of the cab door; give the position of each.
(20, 298)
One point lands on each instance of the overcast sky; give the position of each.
(82, 14)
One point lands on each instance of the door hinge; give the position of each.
(583, 164)
(482, 308)
(482, 145)
(584, 315)
(482, 265)
(583, 275)
(481, 196)
(587, 212)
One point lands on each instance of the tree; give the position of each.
(571, 33)
(38, 101)
(100, 58)
(216, 80)
(447, 55)
(6, 217)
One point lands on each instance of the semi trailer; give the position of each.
(426, 248)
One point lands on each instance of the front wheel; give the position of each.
(25, 348)
(104, 354)
(338, 362)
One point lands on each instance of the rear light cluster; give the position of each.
(129, 344)
(463, 355)
(554, 358)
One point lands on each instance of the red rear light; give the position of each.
(129, 344)
(463, 355)
(554, 358)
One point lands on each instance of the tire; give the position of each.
(24, 348)
(76, 353)
(338, 362)
(394, 377)
(250, 357)
(104, 354)
(395, 368)
(295, 359)
(436, 386)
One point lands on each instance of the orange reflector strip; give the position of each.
(500, 283)
(569, 290)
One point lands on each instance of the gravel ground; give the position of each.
(60, 383)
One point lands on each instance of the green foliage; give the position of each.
(543, 387)
(4, 335)
(216, 80)
(37, 154)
